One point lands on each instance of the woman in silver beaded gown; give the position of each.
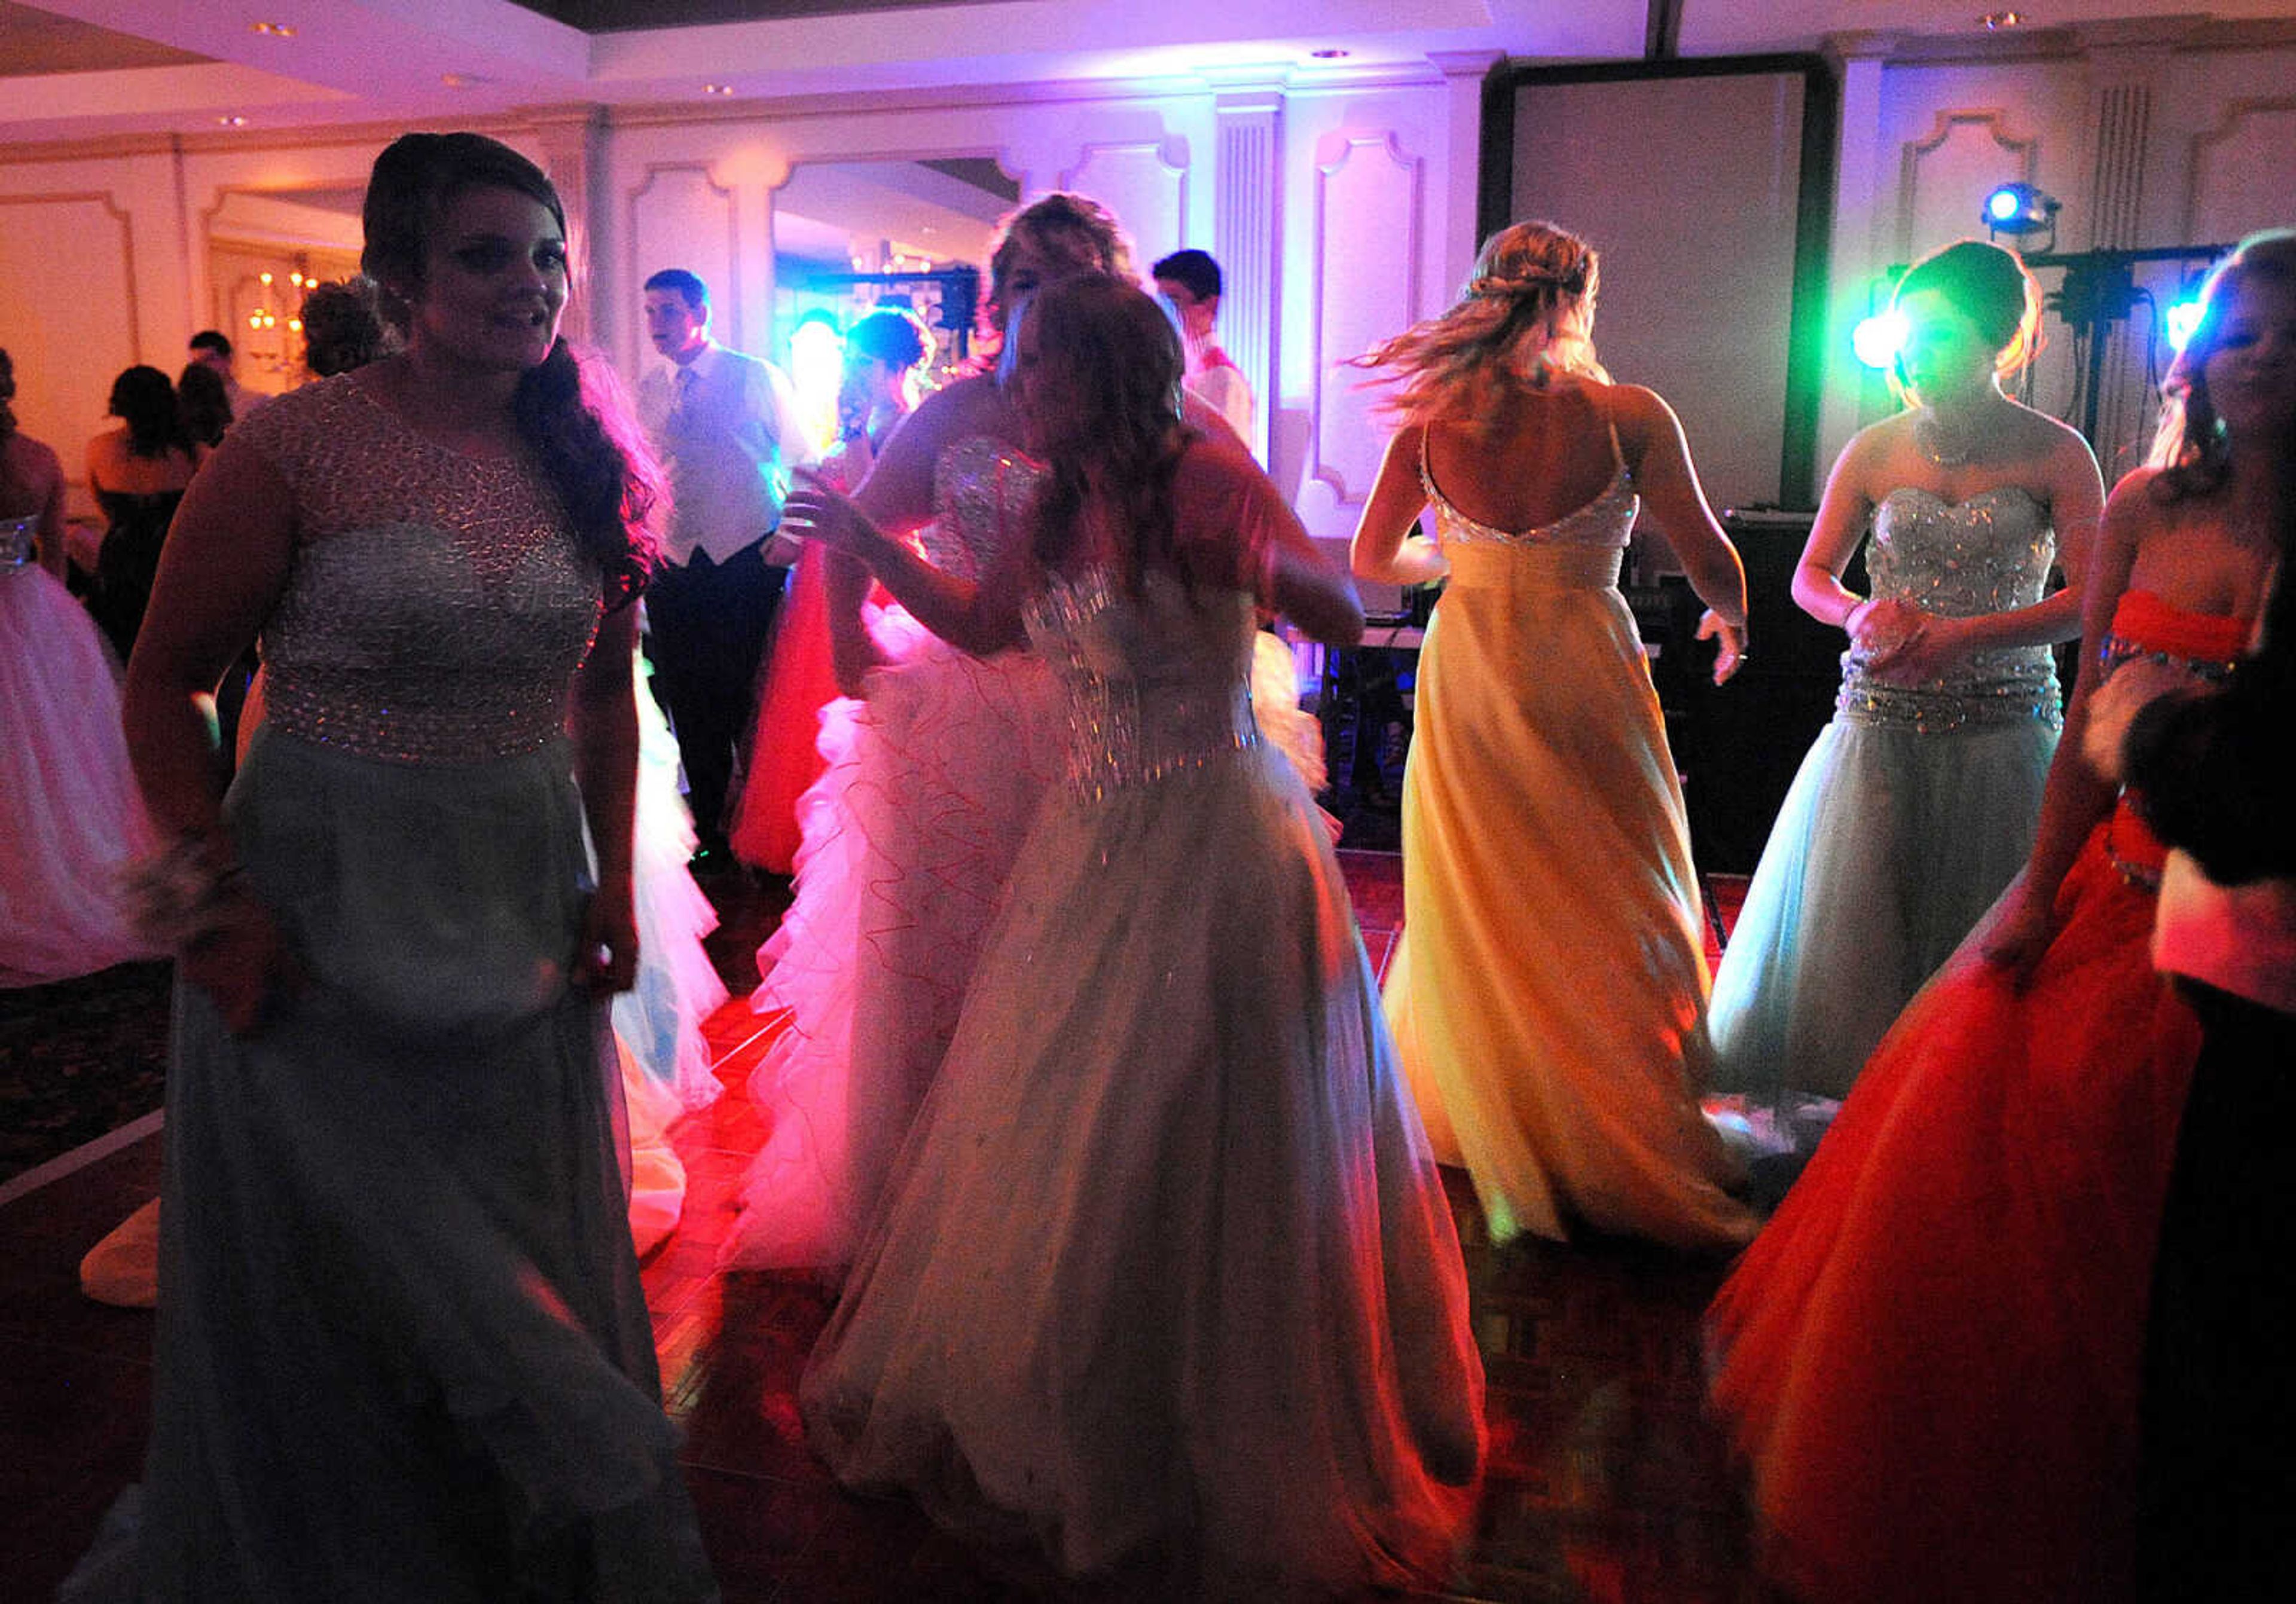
(937, 761)
(1919, 801)
(1165, 1287)
(403, 1352)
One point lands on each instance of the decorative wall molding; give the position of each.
(124, 219)
(1145, 181)
(1246, 234)
(59, 362)
(713, 193)
(1366, 184)
(2212, 148)
(1952, 127)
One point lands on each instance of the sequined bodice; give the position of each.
(1156, 683)
(981, 489)
(436, 606)
(1960, 560)
(1581, 548)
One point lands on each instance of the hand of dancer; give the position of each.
(2132, 687)
(1713, 627)
(2021, 931)
(1933, 645)
(815, 510)
(1879, 626)
(607, 960)
(242, 962)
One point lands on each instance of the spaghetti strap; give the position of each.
(1610, 423)
(1427, 476)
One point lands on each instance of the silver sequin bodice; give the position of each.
(981, 493)
(1960, 560)
(1157, 684)
(436, 606)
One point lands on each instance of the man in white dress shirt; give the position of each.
(726, 427)
(1190, 281)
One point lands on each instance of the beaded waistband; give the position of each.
(1491, 565)
(1982, 704)
(1118, 741)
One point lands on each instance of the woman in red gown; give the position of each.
(1930, 1359)
(884, 352)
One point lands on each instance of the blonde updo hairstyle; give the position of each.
(1526, 317)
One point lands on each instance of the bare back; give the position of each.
(1539, 457)
(112, 466)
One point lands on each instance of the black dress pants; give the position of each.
(707, 623)
(2217, 1484)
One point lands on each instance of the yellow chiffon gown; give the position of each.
(1548, 991)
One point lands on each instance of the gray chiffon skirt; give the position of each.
(403, 1351)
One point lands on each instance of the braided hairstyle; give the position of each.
(569, 411)
(1526, 316)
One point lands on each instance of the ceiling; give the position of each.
(79, 69)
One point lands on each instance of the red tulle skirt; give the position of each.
(799, 681)
(1930, 1359)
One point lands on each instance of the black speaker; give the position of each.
(1740, 743)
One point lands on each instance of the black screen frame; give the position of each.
(1821, 137)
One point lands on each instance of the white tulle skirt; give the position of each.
(908, 837)
(1165, 1285)
(659, 1020)
(71, 818)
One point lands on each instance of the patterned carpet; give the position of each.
(79, 1058)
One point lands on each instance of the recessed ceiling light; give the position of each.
(277, 30)
(1994, 21)
(1328, 54)
(716, 89)
(232, 121)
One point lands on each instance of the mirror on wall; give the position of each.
(852, 236)
(264, 249)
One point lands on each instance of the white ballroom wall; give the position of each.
(1344, 208)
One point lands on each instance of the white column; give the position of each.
(1247, 227)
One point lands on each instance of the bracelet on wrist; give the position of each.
(177, 896)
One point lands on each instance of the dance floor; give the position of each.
(1605, 1482)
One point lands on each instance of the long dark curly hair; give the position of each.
(1120, 444)
(2192, 447)
(568, 410)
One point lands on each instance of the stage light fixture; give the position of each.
(1877, 340)
(2183, 319)
(2018, 210)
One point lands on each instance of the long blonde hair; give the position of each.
(1525, 318)
(2191, 443)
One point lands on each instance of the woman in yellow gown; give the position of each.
(1548, 991)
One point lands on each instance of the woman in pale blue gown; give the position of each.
(1919, 801)
(402, 1349)
(1164, 1287)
